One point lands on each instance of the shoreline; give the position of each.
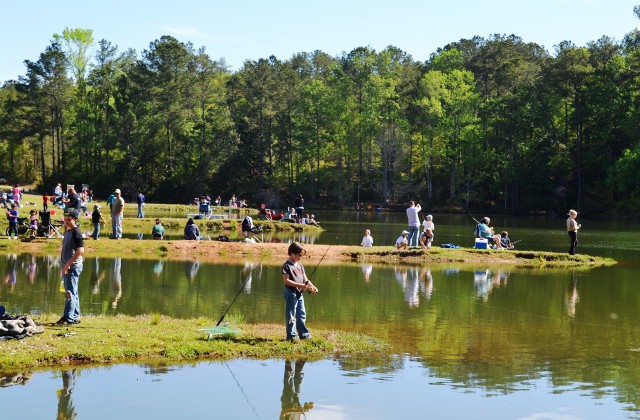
(276, 253)
(156, 339)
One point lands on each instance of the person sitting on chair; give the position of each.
(191, 231)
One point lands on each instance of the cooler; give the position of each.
(482, 243)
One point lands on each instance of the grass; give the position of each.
(156, 338)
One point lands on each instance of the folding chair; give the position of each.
(49, 229)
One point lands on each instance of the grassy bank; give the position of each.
(275, 253)
(159, 339)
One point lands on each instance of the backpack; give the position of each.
(476, 231)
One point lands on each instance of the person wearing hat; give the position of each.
(572, 231)
(96, 219)
(116, 215)
(402, 242)
(71, 257)
(427, 232)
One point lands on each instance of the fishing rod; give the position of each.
(474, 219)
(241, 289)
(324, 255)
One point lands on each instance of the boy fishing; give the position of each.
(295, 283)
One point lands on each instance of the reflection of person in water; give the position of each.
(157, 268)
(485, 280)
(32, 269)
(10, 277)
(66, 409)
(291, 408)
(115, 285)
(96, 278)
(191, 269)
(247, 275)
(572, 297)
(366, 270)
(481, 283)
(411, 291)
(427, 282)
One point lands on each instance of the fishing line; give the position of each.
(324, 255)
(241, 289)
(242, 390)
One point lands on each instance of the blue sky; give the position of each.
(251, 29)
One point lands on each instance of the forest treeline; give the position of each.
(493, 124)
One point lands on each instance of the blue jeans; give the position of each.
(140, 215)
(116, 225)
(295, 315)
(72, 305)
(414, 235)
(96, 231)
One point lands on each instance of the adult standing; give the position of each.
(71, 260)
(414, 223)
(110, 200)
(17, 191)
(572, 231)
(299, 202)
(140, 201)
(116, 215)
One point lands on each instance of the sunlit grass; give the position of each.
(157, 338)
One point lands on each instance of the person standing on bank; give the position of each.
(116, 215)
(572, 231)
(299, 202)
(96, 219)
(140, 200)
(71, 256)
(295, 283)
(414, 223)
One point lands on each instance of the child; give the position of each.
(158, 230)
(13, 215)
(367, 240)
(427, 234)
(33, 222)
(45, 202)
(96, 219)
(295, 283)
(402, 242)
(505, 242)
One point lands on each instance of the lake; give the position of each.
(467, 341)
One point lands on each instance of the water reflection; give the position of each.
(10, 277)
(366, 270)
(290, 399)
(572, 297)
(191, 269)
(115, 283)
(486, 280)
(15, 379)
(66, 408)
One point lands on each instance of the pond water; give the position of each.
(477, 341)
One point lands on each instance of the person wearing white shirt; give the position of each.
(427, 231)
(367, 240)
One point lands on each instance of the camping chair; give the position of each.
(49, 229)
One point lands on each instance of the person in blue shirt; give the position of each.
(140, 201)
